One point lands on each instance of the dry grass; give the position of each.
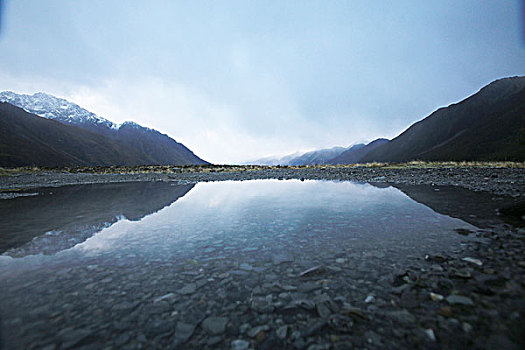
(243, 168)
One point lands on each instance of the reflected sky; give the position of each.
(258, 220)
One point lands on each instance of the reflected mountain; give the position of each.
(59, 218)
(481, 209)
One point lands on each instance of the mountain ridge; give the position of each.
(149, 146)
(488, 125)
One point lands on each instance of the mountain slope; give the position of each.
(355, 154)
(26, 139)
(489, 125)
(153, 147)
(318, 157)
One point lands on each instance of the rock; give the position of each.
(312, 271)
(283, 332)
(436, 297)
(303, 303)
(437, 258)
(214, 340)
(190, 288)
(353, 312)
(463, 273)
(308, 287)
(474, 261)
(445, 311)
(252, 333)
(240, 344)
(402, 316)
(159, 326)
(341, 323)
(455, 299)
(313, 329)
(215, 325)
(322, 310)
(463, 231)
(165, 296)
(246, 267)
(281, 258)
(430, 333)
(184, 331)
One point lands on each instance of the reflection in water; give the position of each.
(59, 218)
(224, 248)
(217, 220)
(477, 208)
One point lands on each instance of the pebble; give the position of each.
(252, 333)
(240, 344)
(190, 288)
(459, 300)
(215, 325)
(436, 297)
(165, 296)
(430, 333)
(184, 331)
(474, 261)
(311, 271)
(246, 267)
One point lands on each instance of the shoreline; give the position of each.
(506, 181)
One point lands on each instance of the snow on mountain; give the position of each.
(51, 107)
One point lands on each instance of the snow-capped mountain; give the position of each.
(51, 107)
(140, 145)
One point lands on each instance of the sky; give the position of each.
(241, 80)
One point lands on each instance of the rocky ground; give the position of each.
(508, 181)
(468, 297)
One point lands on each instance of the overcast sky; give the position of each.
(240, 80)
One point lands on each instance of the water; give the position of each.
(85, 256)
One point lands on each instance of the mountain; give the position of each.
(489, 125)
(144, 146)
(355, 154)
(317, 157)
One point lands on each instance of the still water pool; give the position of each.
(89, 264)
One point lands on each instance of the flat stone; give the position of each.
(165, 296)
(436, 297)
(322, 310)
(459, 300)
(214, 340)
(430, 334)
(281, 258)
(246, 267)
(308, 287)
(184, 331)
(215, 325)
(240, 344)
(283, 331)
(474, 261)
(190, 288)
(159, 326)
(252, 333)
(402, 316)
(312, 271)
